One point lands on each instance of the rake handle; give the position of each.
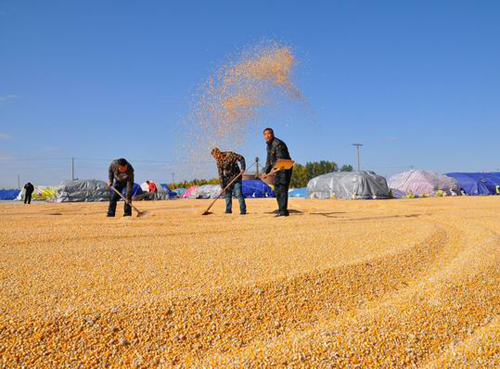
(225, 188)
(222, 192)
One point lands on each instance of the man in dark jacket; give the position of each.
(122, 174)
(28, 191)
(277, 149)
(227, 165)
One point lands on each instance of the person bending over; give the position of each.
(121, 175)
(227, 165)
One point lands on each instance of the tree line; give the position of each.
(302, 174)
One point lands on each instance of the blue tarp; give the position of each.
(298, 192)
(477, 183)
(8, 194)
(171, 194)
(257, 189)
(136, 190)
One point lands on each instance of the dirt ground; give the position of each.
(396, 283)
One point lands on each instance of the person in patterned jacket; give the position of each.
(227, 165)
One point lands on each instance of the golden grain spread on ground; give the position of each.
(409, 283)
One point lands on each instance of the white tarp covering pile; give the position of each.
(89, 190)
(419, 182)
(348, 185)
(206, 192)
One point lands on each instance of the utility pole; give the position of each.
(257, 167)
(357, 149)
(72, 169)
(18, 182)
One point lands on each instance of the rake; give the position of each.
(206, 212)
(139, 213)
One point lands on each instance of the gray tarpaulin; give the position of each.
(348, 185)
(82, 191)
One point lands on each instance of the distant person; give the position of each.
(121, 175)
(152, 187)
(227, 165)
(277, 149)
(28, 192)
(497, 189)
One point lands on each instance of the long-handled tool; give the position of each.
(206, 212)
(139, 213)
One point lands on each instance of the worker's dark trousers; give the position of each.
(281, 186)
(27, 197)
(114, 199)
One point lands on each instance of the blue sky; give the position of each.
(417, 82)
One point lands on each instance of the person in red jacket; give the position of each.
(152, 187)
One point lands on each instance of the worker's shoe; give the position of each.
(127, 215)
(243, 213)
(110, 215)
(281, 215)
(228, 212)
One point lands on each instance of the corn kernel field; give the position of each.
(401, 283)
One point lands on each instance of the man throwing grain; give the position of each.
(277, 149)
(227, 164)
(122, 174)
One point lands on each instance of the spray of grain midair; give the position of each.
(230, 101)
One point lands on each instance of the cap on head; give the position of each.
(215, 151)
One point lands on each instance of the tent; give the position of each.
(188, 194)
(137, 192)
(420, 182)
(477, 183)
(348, 185)
(171, 194)
(145, 187)
(41, 193)
(9, 194)
(298, 192)
(179, 191)
(206, 192)
(81, 190)
(257, 189)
